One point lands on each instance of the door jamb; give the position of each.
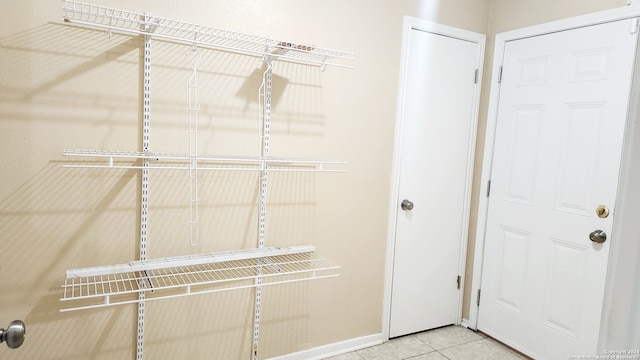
(409, 24)
(622, 13)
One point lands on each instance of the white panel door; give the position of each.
(436, 150)
(561, 118)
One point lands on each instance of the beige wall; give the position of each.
(65, 87)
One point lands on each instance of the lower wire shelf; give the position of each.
(173, 277)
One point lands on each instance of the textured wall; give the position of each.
(62, 86)
(66, 87)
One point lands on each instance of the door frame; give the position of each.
(621, 227)
(410, 24)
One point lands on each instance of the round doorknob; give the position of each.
(598, 236)
(14, 334)
(406, 205)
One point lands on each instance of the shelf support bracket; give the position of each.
(194, 107)
(144, 191)
(264, 95)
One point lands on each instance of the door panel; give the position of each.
(438, 118)
(561, 118)
(513, 253)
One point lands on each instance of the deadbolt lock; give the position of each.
(602, 211)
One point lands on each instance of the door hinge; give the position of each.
(478, 298)
(458, 282)
(500, 75)
(488, 188)
(634, 26)
(475, 77)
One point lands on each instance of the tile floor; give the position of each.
(451, 342)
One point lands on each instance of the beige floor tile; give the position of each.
(519, 354)
(430, 356)
(485, 349)
(396, 349)
(448, 343)
(347, 356)
(449, 336)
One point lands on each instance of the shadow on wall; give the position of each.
(48, 221)
(87, 74)
(71, 87)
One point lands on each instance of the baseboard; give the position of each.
(465, 323)
(338, 348)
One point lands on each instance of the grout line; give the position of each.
(415, 356)
(464, 343)
(509, 348)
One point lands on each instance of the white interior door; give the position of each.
(437, 144)
(560, 124)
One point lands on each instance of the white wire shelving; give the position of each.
(146, 279)
(118, 20)
(164, 278)
(182, 161)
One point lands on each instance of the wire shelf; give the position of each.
(183, 276)
(180, 161)
(126, 21)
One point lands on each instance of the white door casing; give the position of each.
(556, 154)
(433, 165)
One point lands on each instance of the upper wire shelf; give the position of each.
(173, 277)
(179, 161)
(126, 21)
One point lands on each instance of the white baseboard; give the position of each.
(465, 323)
(325, 351)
